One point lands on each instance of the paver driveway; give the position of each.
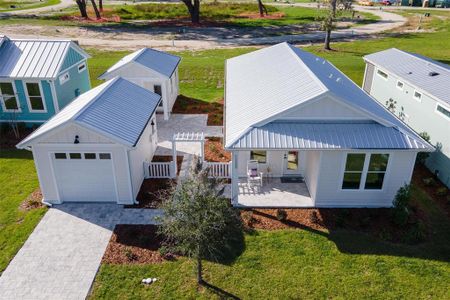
(62, 255)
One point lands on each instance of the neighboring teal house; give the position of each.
(417, 90)
(39, 77)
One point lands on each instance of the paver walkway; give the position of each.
(61, 257)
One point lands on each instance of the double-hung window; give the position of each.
(8, 97)
(35, 97)
(365, 171)
(260, 156)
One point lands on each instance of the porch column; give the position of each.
(174, 158)
(234, 175)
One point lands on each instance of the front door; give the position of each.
(291, 163)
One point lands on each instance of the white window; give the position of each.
(81, 67)
(365, 171)
(417, 95)
(64, 78)
(260, 156)
(35, 97)
(8, 97)
(400, 85)
(442, 110)
(382, 74)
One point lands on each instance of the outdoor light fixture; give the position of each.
(76, 141)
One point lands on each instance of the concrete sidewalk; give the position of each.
(61, 257)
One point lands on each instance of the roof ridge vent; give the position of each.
(330, 76)
(338, 79)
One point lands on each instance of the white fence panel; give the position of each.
(218, 169)
(158, 169)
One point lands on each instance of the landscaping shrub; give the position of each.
(385, 235)
(130, 255)
(442, 191)
(416, 233)
(429, 181)
(400, 211)
(422, 156)
(400, 216)
(281, 215)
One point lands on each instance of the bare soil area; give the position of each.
(215, 152)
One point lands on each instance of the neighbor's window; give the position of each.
(8, 97)
(354, 166)
(382, 74)
(376, 171)
(400, 85)
(36, 100)
(81, 67)
(260, 156)
(417, 95)
(443, 111)
(64, 78)
(104, 156)
(89, 156)
(60, 156)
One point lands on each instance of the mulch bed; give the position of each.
(420, 173)
(374, 221)
(271, 16)
(215, 152)
(186, 105)
(9, 141)
(153, 189)
(134, 244)
(34, 200)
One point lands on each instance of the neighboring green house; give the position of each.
(417, 90)
(39, 77)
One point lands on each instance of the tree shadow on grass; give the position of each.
(218, 291)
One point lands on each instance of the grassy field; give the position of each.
(5, 5)
(19, 179)
(288, 264)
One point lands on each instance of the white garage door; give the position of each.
(84, 177)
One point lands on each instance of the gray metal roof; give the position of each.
(161, 62)
(118, 109)
(295, 135)
(415, 69)
(262, 84)
(34, 58)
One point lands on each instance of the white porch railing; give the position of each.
(159, 169)
(218, 169)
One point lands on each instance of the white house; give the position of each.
(417, 90)
(94, 149)
(154, 70)
(303, 119)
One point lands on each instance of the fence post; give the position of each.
(146, 171)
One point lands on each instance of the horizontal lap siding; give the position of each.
(329, 191)
(66, 92)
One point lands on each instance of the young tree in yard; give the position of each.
(262, 8)
(198, 220)
(97, 12)
(82, 7)
(328, 22)
(100, 5)
(193, 7)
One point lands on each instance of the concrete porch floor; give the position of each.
(273, 194)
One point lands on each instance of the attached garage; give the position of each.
(94, 149)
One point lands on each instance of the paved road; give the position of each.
(61, 257)
(127, 39)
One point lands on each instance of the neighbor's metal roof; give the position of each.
(118, 109)
(415, 69)
(294, 135)
(34, 58)
(161, 62)
(262, 84)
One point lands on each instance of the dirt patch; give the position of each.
(186, 105)
(271, 16)
(215, 152)
(153, 189)
(373, 221)
(7, 138)
(134, 244)
(34, 200)
(112, 19)
(432, 189)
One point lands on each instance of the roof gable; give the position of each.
(117, 109)
(34, 58)
(158, 61)
(415, 69)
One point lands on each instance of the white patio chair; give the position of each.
(253, 174)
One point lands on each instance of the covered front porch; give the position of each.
(273, 193)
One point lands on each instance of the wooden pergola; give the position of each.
(190, 137)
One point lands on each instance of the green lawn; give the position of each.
(18, 179)
(293, 264)
(5, 5)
